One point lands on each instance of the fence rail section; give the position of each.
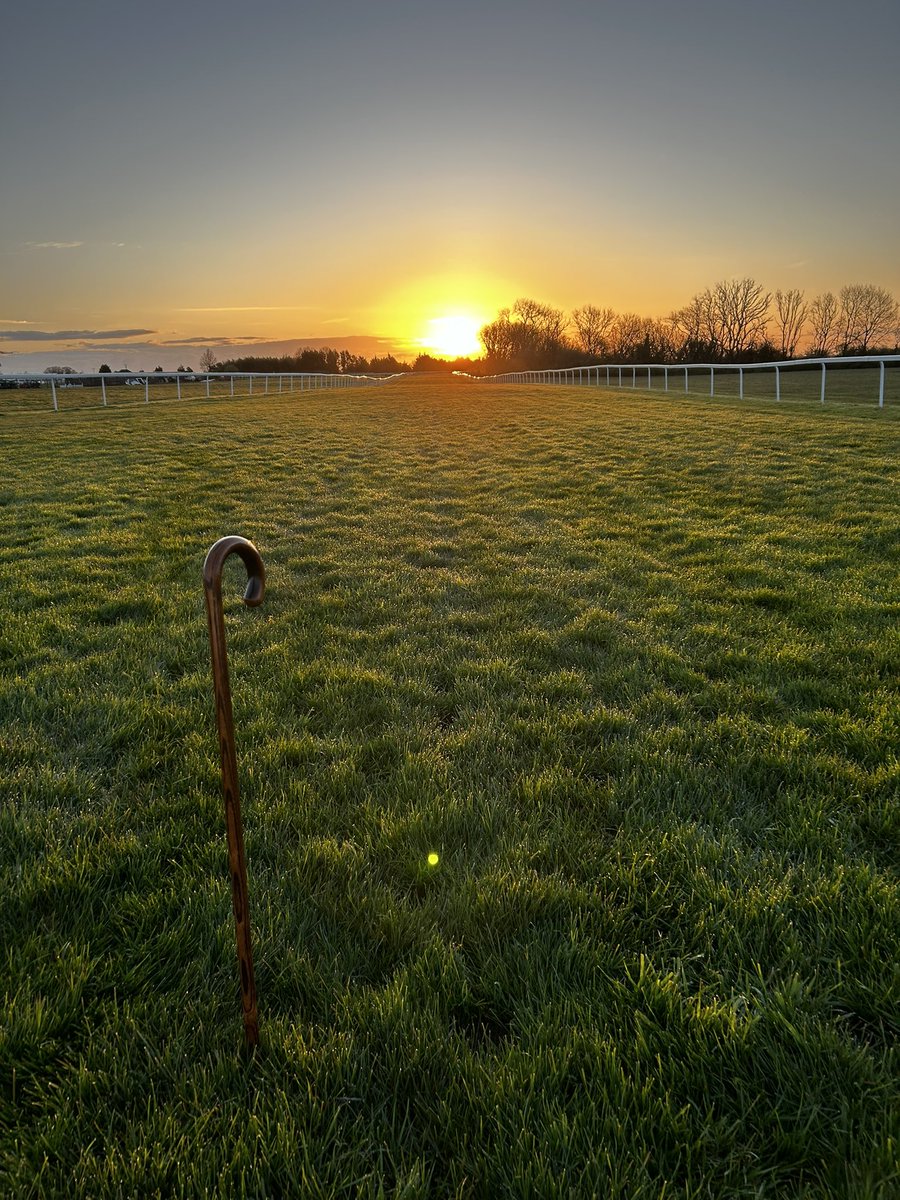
(100, 390)
(757, 380)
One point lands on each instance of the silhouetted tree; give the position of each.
(728, 321)
(693, 330)
(868, 316)
(312, 360)
(528, 336)
(741, 313)
(386, 365)
(351, 364)
(105, 369)
(823, 319)
(791, 316)
(592, 326)
(428, 363)
(634, 338)
(208, 360)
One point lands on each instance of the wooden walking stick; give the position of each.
(212, 586)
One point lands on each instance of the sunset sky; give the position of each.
(174, 176)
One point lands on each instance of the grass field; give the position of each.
(627, 664)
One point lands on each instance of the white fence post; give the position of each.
(178, 383)
(103, 389)
(881, 384)
(53, 389)
(146, 389)
(823, 383)
(712, 381)
(777, 383)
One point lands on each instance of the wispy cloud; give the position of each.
(53, 245)
(251, 308)
(70, 335)
(235, 340)
(14, 321)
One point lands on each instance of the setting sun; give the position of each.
(455, 337)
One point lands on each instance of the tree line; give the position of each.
(330, 361)
(736, 320)
(324, 361)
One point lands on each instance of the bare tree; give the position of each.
(547, 323)
(792, 313)
(729, 320)
(634, 338)
(530, 334)
(662, 341)
(496, 337)
(868, 316)
(740, 309)
(692, 329)
(208, 360)
(823, 314)
(592, 327)
(626, 336)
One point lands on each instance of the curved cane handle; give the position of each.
(256, 572)
(253, 595)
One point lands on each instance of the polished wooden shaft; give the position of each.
(253, 595)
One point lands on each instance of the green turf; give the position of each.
(628, 665)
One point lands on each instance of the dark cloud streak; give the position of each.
(67, 335)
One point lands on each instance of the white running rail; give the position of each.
(670, 375)
(177, 385)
